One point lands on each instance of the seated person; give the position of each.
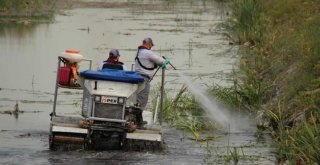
(113, 61)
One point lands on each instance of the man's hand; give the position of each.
(163, 66)
(166, 62)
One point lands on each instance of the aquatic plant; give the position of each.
(278, 72)
(191, 124)
(183, 112)
(28, 5)
(246, 93)
(306, 142)
(231, 154)
(299, 144)
(245, 24)
(28, 11)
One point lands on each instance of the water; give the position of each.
(184, 31)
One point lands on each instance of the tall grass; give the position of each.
(279, 71)
(18, 5)
(246, 22)
(11, 10)
(249, 27)
(299, 144)
(183, 112)
(246, 93)
(306, 142)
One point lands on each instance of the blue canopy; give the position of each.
(113, 75)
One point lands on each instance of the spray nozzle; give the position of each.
(169, 63)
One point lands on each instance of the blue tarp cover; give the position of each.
(113, 75)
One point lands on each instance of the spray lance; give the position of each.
(160, 67)
(170, 63)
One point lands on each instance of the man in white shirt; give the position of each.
(145, 64)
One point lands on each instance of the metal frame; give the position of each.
(57, 82)
(105, 119)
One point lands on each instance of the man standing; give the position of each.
(145, 64)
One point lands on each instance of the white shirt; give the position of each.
(147, 59)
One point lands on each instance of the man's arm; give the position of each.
(157, 59)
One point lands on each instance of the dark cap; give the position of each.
(147, 41)
(114, 53)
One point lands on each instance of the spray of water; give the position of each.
(221, 115)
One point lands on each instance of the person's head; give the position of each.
(148, 42)
(114, 55)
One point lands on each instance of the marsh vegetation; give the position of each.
(278, 72)
(29, 11)
(276, 78)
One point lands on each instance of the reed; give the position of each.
(297, 144)
(231, 154)
(245, 20)
(279, 71)
(190, 124)
(16, 5)
(306, 142)
(27, 11)
(183, 112)
(246, 93)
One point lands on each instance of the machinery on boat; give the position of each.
(108, 112)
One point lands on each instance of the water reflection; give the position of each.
(17, 30)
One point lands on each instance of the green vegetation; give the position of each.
(27, 10)
(278, 73)
(16, 5)
(183, 112)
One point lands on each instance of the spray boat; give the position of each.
(108, 113)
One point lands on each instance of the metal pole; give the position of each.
(161, 96)
(154, 74)
(56, 89)
(155, 117)
(90, 65)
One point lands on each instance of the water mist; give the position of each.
(221, 115)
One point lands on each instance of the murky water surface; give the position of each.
(184, 31)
